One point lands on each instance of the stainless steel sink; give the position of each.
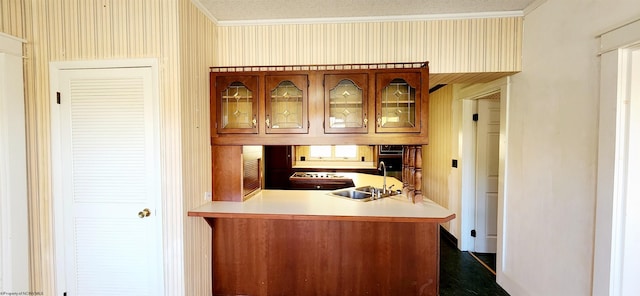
(352, 194)
(362, 193)
(367, 188)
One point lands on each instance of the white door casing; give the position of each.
(14, 231)
(616, 261)
(487, 153)
(629, 257)
(105, 156)
(466, 94)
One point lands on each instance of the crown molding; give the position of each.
(205, 11)
(372, 19)
(531, 7)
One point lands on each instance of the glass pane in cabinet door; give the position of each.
(237, 107)
(346, 109)
(398, 105)
(286, 106)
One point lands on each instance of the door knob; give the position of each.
(144, 213)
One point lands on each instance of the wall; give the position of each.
(451, 46)
(553, 133)
(197, 53)
(58, 30)
(436, 172)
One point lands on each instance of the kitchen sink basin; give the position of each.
(363, 193)
(352, 194)
(367, 188)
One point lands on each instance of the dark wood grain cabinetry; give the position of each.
(286, 104)
(277, 164)
(236, 104)
(398, 102)
(324, 257)
(345, 99)
(368, 104)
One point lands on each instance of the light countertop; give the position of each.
(319, 205)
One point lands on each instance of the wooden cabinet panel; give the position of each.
(345, 98)
(303, 257)
(236, 104)
(286, 104)
(236, 176)
(398, 101)
(321, 104)
(277, 165)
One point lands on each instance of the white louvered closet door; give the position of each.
(110, 174)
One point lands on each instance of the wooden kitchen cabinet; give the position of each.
(398, 102)
(286, 104)
(236, 104)
(345, 97)
(363, 104)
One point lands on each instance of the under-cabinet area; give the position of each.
(240, 172)
(366, 104)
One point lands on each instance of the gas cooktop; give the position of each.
(316, 175)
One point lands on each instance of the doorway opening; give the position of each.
(482, 153)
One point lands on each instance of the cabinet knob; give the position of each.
(268, 122)
(254, 121)
(379, 120)
(365, 120)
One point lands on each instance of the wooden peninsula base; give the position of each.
(305, 242)
(257, 256)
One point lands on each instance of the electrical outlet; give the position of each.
(207, 196)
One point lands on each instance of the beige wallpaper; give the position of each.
(197, 53)
(61, 30)
(437, 155)
(12, 18)
(451, 46)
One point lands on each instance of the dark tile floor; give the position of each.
(462, 275)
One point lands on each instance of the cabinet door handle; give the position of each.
(268, 122)
(379, 120)
(365, 120)
(254, 121)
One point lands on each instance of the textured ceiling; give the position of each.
(263, 10)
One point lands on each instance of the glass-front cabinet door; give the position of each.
(398, 102)
(237, 104)
(345, 97)
(286, 104)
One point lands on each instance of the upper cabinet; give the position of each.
(236, 104)
(398, 102)
(286, 105)
(345, 99)
(366, 104)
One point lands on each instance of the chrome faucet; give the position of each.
(384, 176)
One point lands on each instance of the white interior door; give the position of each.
(487, 170)
(106, 162)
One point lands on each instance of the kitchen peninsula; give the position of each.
(302, 242)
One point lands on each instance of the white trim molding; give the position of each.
(620, 37)
(613, 255)
(371, 19)
(14, 230)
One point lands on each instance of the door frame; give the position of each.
(466, 97)
(610, 244)
(55, 69)
(14, 230)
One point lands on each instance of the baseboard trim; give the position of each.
(448, 237)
